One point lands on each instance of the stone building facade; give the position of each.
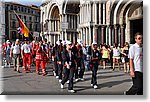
(30, 15)
(102, 21)
(2, 20)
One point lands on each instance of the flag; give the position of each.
(24, 29)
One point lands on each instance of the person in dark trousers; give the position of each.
(59, 60)
(54, 59)
(136, 66)
(94, 65)
(80, 63)
(69, 64)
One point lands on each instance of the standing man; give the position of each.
(26, 53)
(15, 53)
(136, 66)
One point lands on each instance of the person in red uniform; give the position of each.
(41, 58)
(26, 53)
(38, 56)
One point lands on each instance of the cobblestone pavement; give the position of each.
(112, 83)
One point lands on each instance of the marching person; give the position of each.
(54, 59)
(45, 58)
(59, 60)
(94, 65)
(15, 52)
(69, 60)
(136, 66)
(26, 53)
(80, 62)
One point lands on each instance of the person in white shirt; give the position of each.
(26, 53)
(15, 53)
(136, 66)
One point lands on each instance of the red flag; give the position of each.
(24, 30)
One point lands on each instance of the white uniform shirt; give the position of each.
(16, 49)
(26, 48)
(136, 53)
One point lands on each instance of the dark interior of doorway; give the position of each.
(135, 26)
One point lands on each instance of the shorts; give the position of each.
(116, 57)
(104, 59)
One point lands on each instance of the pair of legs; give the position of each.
(116, 60)
(27, 60)
(16, 62)
(43, 66)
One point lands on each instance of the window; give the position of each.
(18, 8)
(11, 7)
(25, 18)
(30, 19)
(15, 8)
(21, 9)
(30, 26)
(28, 10)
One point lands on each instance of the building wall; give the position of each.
(2, 20)
(30, 15)
(101, 21)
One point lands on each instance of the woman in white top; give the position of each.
(116, 56)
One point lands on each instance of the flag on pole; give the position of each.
(24, 29)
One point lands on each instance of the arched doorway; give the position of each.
(54, 25)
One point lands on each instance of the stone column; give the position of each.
(100, 13)
(104, 12)
(87, 36)
(122, 35)
(95, 34)
(110, 35)
(90, 14)
(95, 13)
(116, 33)
(90, 38)
(102, 34)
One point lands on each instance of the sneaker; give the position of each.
(54, 73)
(57, 77)
(60, 80)
(124, 93)
(67, 82)
(91, 84)
(18, 71)
(61, 86)
(82, 79)
(15, 69)
(76, 80)
(95, 86)
(72, 91)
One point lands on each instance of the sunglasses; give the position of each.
(139, 38)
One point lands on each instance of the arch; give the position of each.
(53, 5)
(112, 11)
(118, 7)
(124, 10)
(133, 7)
(71, 6)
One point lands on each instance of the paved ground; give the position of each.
(30, 83)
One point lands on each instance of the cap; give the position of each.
(79, 41)
(64, 42)
(68, 42)
(58, 42)
(94, 43)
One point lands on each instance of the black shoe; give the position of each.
(18, 71)
(15, 69)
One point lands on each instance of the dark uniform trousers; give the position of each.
(137, 87)
(60, 69)
(55, 67)
(94, 74)
(82, 69)
(68, 74)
